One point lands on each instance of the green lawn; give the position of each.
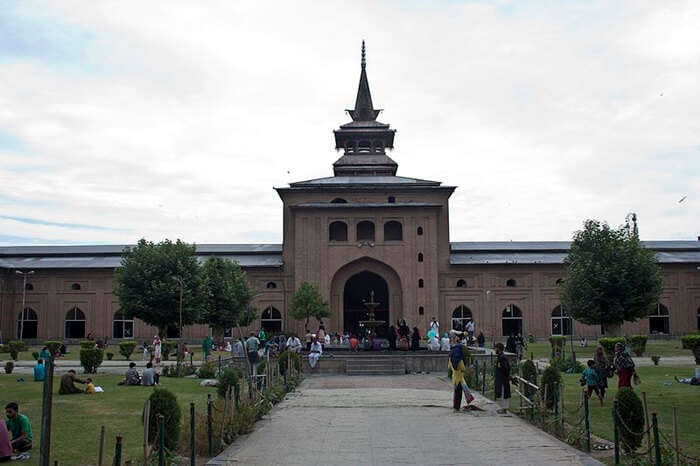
(74, 353)
(542, 349)
(77, 418)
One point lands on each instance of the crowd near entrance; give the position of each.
(356, 291)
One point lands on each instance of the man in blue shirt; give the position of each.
(39, 371)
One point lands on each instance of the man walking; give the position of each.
(252, 345)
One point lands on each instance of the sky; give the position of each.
(175, 119)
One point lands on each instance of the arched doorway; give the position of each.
(27, 324)
(359, 289)
(512, 320)
(75, 324)
(659, 320)
(562, 324)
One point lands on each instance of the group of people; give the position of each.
(600, 369)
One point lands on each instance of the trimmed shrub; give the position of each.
(87, 344)
(551, 379)
(53, 346)
(283, 361)
(166, 347)
(9, 367)
(631, 413)
(90, 359)
(655, 360)
(126, 348)
(16, 347)
(35, 355)
(184, 371)
(207, 371)
(261, 367)
(639, 344)
(531, 338)
(608, 345)
(557, 342)
(567, 365)
(4, 349)
(692, 342)
(164, 402)
(529, 372)
(228, 377)
(110, 355)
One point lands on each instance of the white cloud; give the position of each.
(174, 119)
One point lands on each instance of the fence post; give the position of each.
(46, 408)
(675, 437)
(161, 440)
(101, 454)
(210, 445)
(657, 446)
(646, 423)
(561, 403)
(616, 433)
(118, 451)
(146, 429)
(193, 453)
(476, 373)
(483, 380)
(588, 423)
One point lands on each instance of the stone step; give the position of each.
(375, 372)
(374, 363)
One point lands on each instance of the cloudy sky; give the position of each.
(125, 119)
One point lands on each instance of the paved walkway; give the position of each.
(346, 420)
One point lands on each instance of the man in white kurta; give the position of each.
(315, 352)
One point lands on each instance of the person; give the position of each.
(39, 371)
(445, 342)
(206, 347)
(624, 366)
(434, 326)
(238, 349)
(68, 381)
(89, 387)
(433, 344)
(131, 376)
(5, 445)
(327, 339)
(520, 346)
(589, 378)
(44, 353)
(19, 428)
(307, 339)
(315, 352)
(228, 346)
(501, 376)
(252, 344)
(481, 340)
(321, 335)
(156, 349)
(415, 339)
(294, 344)
(403, 331)
(62, 350)
(510, 344)
(354, 343)
(391, 336)
(602, 368)
(144, 348)
(149, 377)
(455, 363)
(262, 337)
(584, 342)
(470, 330)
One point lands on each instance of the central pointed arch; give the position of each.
(371, 268)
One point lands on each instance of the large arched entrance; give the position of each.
(360, 288)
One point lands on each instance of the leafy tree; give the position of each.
(228, 297)
(611, 278)
(148, 283)
(307, 302)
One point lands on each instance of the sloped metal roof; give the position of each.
(365, 180)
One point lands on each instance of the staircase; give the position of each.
(376, 365)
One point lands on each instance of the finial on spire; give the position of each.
(363, 55)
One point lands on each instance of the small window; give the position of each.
(29, 287)
(338, 231)
(419, 231)
(421, 311)
(271, 285)
(75, 286)
(461, 283)
(420, 257)
(339, 200)
(510, 282)
(420, 283)
(393, 231)
(391, 200)
(365, 231)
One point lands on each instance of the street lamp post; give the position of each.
(179, 344)
(24, 300)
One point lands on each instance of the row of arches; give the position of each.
(338, 231)
(73, 287)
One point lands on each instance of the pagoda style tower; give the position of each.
(364, 140)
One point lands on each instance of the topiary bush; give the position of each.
(529, 372)
(692, 342)
(16, 347)
(207, 371)
(87, 344)
(639, 344)
(164, 402)
(53, 346)
(126, 349)
(35, 355)
(608, 345)
(110, 355)
(551, 379)
(655, 360)
(284, 360)
(631, 413)
(166, 347)
(9, 367)
(228, 377)
(90, 359)
(567, 365)
(4, 349)
(557, 342)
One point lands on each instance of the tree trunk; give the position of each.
(613, 330)
(218, 334)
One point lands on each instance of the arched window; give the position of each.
(121, 326)
(365, 231)
(421, 310)
(562, 324)
(391, 200)
(460, 316)
(659, 320)
(29, 287)
(339, 200)
(338, 231)
(420, 257)
(419, 231)
(420, 283)
(393, 231)
(512, 320)
(75, 323)
(271, 320)
(510, 282)
(271, 285)
(461, 283)
(27, 324)
(75, 287)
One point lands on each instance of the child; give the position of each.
(590, 377)
(90, 387)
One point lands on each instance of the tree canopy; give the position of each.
(612, 278)
(228, 296)
(307, 302)
(148, 283)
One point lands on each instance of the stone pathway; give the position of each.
(375, 420)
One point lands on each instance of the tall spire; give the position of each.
(364, 110)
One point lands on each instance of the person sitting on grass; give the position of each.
(19, 427)
(150, 377)
(131, 377)
(90, 387)
(5, 445)
(68, 381)
(591, 379)
(39, 371)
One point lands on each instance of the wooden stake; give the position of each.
(146, 425)
(101, 455)
(675, 436)
(646, 424)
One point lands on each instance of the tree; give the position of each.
(612, 278)
(228, 296)
(148, 283)
(307, 302)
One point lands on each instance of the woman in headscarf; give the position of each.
(457, 367)
(624, 366)
(156, 349)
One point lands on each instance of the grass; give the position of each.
(77, 418)
(74, 353)
(663, 348)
